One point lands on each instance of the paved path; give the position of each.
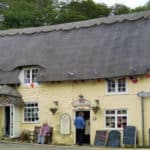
(23, 146)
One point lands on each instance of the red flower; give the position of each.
(147, 75)
(32, 85)
(134, 80)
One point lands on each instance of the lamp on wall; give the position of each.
(96, 107)
(54, 108)
(55, 102)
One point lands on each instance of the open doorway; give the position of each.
(87, 128)
(7, 121)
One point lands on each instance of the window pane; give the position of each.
(26, 76)
(112, 111)
(111, 85)
(121, 85)
(108, 121)
(108, 111)
(34, 75)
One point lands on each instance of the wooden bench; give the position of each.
(48, 136)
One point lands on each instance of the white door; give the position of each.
(15, 121)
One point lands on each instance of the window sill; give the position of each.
(120, 129)
(116, 93)
(30, 122)
(30, 85)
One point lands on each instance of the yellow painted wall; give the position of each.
(67, 92)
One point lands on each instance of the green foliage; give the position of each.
(81, 10)
(32, 13)
(141, 8)
(27, 13)
(148, 3)
(120, 9)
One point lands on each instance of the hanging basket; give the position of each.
(53, 110)
(95, 109)
(147, 75)
(134, 79)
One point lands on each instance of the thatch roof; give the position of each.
(98, 48)
(10, 95)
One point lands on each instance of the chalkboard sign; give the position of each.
(129, 135)
(100, 137)
(113, 139)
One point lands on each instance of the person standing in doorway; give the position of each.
(80, 127)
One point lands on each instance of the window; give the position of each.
(30, 75)
(116, 118)
(31, 112)
(116, 85)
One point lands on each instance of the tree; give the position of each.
(148, 3)
(118, 9)
(32, 13)
(142, 8)
(27, 13)
(81, 10)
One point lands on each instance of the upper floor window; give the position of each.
(116, 85)
(116, 118)
(30, 75)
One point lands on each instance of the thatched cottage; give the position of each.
(98, 66)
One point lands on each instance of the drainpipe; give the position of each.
(142, 95)
(142, 112)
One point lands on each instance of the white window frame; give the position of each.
(31, 73)
(22, 75)
(36, 121)
(116, 115)
(116, 87)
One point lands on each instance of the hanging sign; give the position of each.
(143, 94)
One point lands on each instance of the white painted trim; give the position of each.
(21, 76)
(115, 118)
(12, 117)
(74, 112)
(116, 87)
(31, 122)
(4, 119)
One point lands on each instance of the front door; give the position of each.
(86, 139)
(7, 121)
(12, 121)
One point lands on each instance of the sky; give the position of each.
(129, 3)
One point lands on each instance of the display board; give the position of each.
(65, 124)
(114, 139)
(129, 135)
(100, 137)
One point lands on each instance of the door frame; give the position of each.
(11, 122)
(81, 109)
(4, 119)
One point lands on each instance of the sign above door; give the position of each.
(81, 102)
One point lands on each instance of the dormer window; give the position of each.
(30, 75)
